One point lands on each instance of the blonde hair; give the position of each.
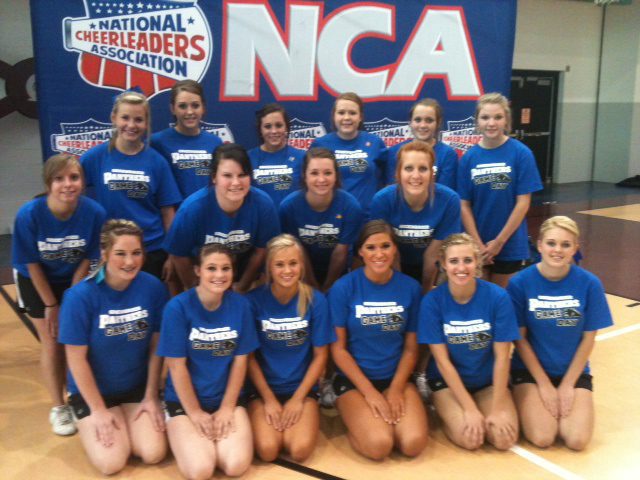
(559, 221)
(132, 98)
(277, 244)
(418, 146)
(495, 98)
(457, 239)
(58, 163)
(111, 230)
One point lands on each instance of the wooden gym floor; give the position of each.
(610, 221)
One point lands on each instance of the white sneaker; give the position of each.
(422, 385)
(61, 420)
(327, 394)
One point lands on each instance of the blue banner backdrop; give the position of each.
(250, 52)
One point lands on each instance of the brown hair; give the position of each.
(437, 108)
(374, 227)
(352, 97)
(268, 109)
(319, 152)
(58, 163)
(190, 86)
(275, 245)
(495, 98)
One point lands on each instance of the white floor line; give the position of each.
(545, 464)
(615, 333)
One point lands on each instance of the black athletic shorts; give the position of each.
(523, 376)
(342, 384)
(436, 384)
(282, 397)
(81, 409)
(28, 298)
(154, 262)
(506, 267)
(175, 409)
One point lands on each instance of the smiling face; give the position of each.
(320, 176)
(123, 261)
(66, 185)
(347, 118)
(285, 268)
(378, 252)
(461, 265)
(492, 122)
(130, 122)
(424, 123)
(231, 182)
(415, 173)
(273, 129)
(557, 248)
(188, 109)
(215, 273)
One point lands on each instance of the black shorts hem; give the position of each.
(29, 299)
(81, 409)
(507, 267)
(436, 384)
(341, 384)
(518, 377)
(175, 409)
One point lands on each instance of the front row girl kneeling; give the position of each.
(208, 337)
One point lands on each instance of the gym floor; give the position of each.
(609, 218)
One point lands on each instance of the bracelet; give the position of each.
(51, 306)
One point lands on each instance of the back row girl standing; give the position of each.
(361, 155)
(132, 181)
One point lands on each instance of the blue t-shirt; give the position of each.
(491, 179)
(376, 318)
(286, 339)
(117, 326)
(361, 162)
(188, 155)
(133, 187)
(208, 340)
(445, 168)
(556, 314)
(200, 221)
(277, 173)
(321, 232)
(57, 245)
(468, 330)
(415, 230)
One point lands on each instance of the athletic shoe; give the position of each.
(61, 420)
(327, 394)
(422, 386)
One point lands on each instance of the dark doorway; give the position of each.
(534, 100)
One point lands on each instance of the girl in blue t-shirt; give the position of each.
(230, 212)
(496, 178)
(132, 181)
(425, 121)
(421, 212)
(361, 155)
(325, 218)
(276, 165)
(187, 148)
(55, 237)
(109, 324)
(560, 308)
(294, 330)
(469, 325)
(207, 334)
(374, 311)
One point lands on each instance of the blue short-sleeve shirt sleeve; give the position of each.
(506, 325)
(597, 312)
(75, 317)
(248, 340)
(338, 304)
(430, 320)
(269, 222)
(528, 175)
(168, 192)
(322, 332)
(518, 299)
(174, 332)
(414, 308)
(24, 245)
(451, 221)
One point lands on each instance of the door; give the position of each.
(534, 100)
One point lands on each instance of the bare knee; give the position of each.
(197, 471)
(267, 449)
(153, 454)
(413, 445)
(465, 442)
(377, 446)
(110, 464)
(541, 438)
(577, 442)
(300, 451)
(235, 468)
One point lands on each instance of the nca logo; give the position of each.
(302, 134)
(461, 135)
(220, 130)
(77, 138)
(390, 131)
(150, 45)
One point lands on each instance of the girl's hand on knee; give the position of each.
(550, 400)
(291, 412)
(203, 422)
(223, 422)
(105, 423)
(379, 406)
(153, 408)
(566, 394)
(474, 425)
(395, 399)
(499, 423)
(273, 414)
